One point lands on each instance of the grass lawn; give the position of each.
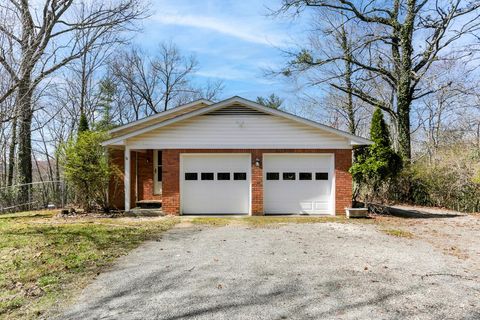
(265, 221)
(45, 259)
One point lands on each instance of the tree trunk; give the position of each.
(24, 105)
(403, 120)
(348, 81)
(404, 97)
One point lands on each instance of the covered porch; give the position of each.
(142, 179)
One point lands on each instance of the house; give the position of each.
(233, 157)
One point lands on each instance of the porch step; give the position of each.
(149, 204)
(142, 212)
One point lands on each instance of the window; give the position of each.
(239, 176)
(207, 175)
(191, 176)
(159, 166)
(321, 176)
(273, 176)
(289, 176)
(305, 176)
(223, 176)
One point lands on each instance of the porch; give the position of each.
(141, 170)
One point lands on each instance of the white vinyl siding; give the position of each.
(238, 132)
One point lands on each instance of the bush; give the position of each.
(87, 169)
(377, 165)
(451, 179)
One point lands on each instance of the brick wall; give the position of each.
(343, 181)
(257, 184)
(171, 182)
(171, 178)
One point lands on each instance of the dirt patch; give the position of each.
(456, 236)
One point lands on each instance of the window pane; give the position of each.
(223, 176)
(305, 176)
(240, 176)
(321, 176)
(289, 176)
(207, 175)
(273, 176)
(191, 176)
(159, 174)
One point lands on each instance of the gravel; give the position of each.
(292, 271)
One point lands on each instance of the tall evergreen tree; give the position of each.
(107, 91)
(378, 163)
(83, 123)
(272, 101)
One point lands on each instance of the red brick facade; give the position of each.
(171, 176)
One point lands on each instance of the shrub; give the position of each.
(87, 169)
(376, 165)
(450, 180)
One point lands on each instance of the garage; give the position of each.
(215, 183)
(298, 183)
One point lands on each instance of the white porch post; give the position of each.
(127, 178)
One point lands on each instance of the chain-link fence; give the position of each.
(34, 196)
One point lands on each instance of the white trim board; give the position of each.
(161, 114)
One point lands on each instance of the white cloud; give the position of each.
(243, 31)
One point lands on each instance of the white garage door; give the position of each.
(298, 183)
(215, 184)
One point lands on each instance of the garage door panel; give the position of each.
(311, 195)
(216, 196)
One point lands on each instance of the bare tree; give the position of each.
(403, 39)
(174, 70)
(47, 36)
(135, 74)
(157, 83)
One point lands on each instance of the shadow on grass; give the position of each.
(14, 216)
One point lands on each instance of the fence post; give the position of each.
(62, 187)
(29, 197)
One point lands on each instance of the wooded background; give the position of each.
(416, 60)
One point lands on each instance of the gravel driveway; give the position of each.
(293, 271)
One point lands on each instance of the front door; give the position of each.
(157, 171)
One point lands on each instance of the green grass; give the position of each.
(399, 233)
(44, 260)
(263, 221)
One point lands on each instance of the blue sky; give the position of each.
(233, 41)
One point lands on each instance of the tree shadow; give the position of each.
(409, 213)
(164, 287)
(13, 216)
(243, 299)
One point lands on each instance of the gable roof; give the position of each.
(203, 107)
(161, 116)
